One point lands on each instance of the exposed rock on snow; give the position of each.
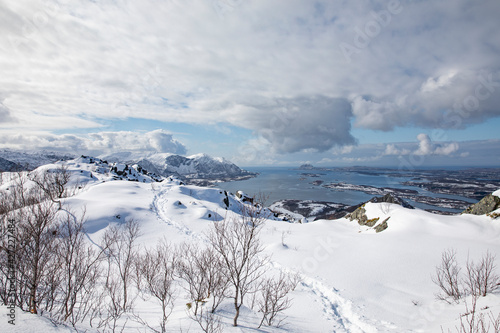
(486, 205)
(390, 199)
(359, 214)
(382, 226)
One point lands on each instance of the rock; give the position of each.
(243, 197)
(359, 215)
(371, 222)
(382, 226)
(390, 199)
(486, 205)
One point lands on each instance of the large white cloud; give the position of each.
(425, 147)
(68, 64)
(97, 144)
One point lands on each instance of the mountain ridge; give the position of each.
(200, 169)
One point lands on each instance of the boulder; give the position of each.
(382, 226)
(486, 205)
(359, 214)
(390, 199)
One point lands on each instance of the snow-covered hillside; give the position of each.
(352, 279)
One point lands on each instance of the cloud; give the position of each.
(73, 64)
(5, 114)
(102, 143)
(290, 125)
(425, 148)
(391, 149)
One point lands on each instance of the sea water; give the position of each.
(280, 183)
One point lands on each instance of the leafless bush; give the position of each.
(120, 240)
(205, 275)
(192, 269)
(53, 183)
(274, 298)
(36, 231)
(112, 309)
(80, 271)
(447, 277)
(36, 245)
(472, 321)
(207, 320)
(237, 242)
(121, 250)
(156, 269)
(481, 278)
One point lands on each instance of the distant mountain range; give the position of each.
(17, 160)
(200, 169)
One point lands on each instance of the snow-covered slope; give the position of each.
(352, 278)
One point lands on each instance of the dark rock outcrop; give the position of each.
(390, 199)
(486, 205)
(382, 226)
(359, 214)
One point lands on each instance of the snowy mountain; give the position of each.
(11, 160)
(199, 169)
(6, 165)
(352, 278)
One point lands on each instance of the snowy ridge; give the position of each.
(101, 170)
(197, 167)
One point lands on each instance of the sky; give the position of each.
(259, 82)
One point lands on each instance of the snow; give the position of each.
(497, 193)
(352, 278)
(28, 323)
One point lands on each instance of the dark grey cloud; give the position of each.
(293, 124)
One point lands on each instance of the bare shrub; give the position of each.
(274, 298)
(473, 321)
(204, 272)
(121, 250)
(481, 278)
(80, 271)
(237, 242)
(447, 277)
(120, 240)
(36, 245)
(156, 269)
(53, 183)
(207, 320)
